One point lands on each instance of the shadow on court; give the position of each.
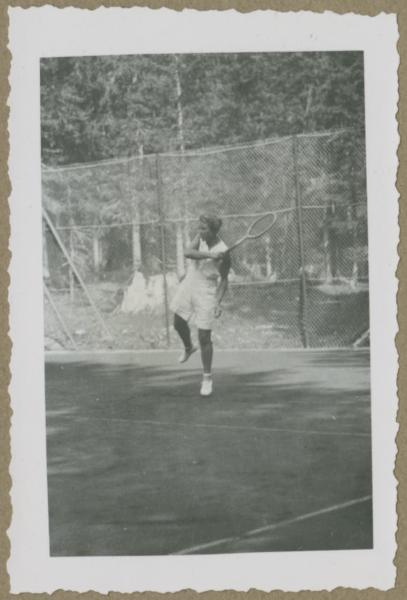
(278, 459)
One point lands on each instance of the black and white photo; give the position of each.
(140, 253)
(208, 292)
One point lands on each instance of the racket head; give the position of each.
(261, 225)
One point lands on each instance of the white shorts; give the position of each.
(197, 301)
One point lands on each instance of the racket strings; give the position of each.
(261, 225)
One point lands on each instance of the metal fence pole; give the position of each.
(161, 217)
(303, 283)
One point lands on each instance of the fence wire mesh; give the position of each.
(119, 230)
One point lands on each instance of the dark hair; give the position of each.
(213, 222)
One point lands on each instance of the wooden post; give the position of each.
(163, 247)
(303, 284)
(354, 219)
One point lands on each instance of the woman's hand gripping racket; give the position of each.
(258, 228)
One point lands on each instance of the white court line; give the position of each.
(71, 353)
(211, 426)
(273, 526)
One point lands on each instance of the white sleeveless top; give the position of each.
(206, 270)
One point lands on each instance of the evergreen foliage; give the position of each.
(101, 107)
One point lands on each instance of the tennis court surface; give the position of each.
(278, 459)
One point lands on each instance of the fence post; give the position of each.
(353, 214)
(161, 217)
(303, 283)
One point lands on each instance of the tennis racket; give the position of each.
(258, 228)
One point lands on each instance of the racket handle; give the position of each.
(233, 246)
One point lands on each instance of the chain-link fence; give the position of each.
(115, 234)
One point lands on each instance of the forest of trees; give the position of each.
(101, 107)
(112, 107)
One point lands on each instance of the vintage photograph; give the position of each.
(206, 303)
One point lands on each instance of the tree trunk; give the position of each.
(355, 273)
(71, 274)
(182, 229)
(269, 267)
(180, 259)
(333, 253)
(136, 219)
(97, 252)
(327, 257)
(180, 114)
(136, 244)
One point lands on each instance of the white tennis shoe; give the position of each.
(206, 386)
(187, 353)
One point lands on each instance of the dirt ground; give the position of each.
(253, 317)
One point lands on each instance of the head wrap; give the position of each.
(213, 222)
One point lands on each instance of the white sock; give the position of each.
(207, 375)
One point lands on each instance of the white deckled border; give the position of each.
(47, 31)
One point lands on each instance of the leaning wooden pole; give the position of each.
(77, 274)
(59, 317)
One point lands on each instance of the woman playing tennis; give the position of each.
(201, 292)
